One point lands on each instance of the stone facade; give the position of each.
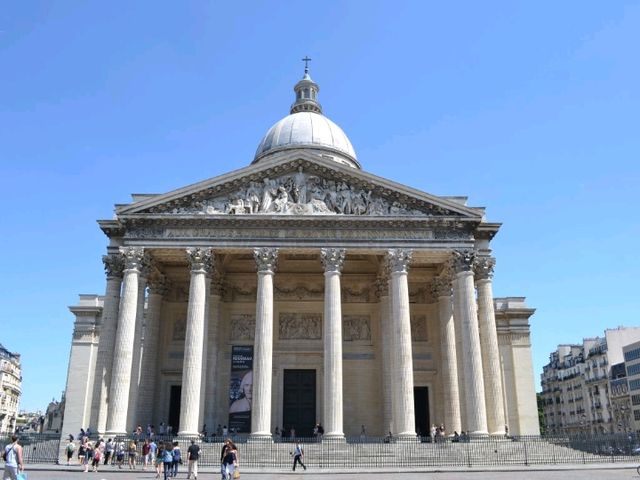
(365, 287)
(10, 389)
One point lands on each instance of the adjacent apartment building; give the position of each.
(10, 389)
(585, 386)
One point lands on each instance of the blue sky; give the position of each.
(529, 108)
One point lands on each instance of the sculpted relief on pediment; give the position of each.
(302, 193)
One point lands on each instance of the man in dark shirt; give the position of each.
(193, 454)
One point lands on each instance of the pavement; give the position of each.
(564, 472)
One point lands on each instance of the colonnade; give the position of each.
(471, 377)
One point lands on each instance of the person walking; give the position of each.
(133, 452)
(193, 454)
(71, 447)
(229, 460)
(167, 460)
(177, 458)
(298, 454)
(13, 459)
(146, 448)
(108, 452)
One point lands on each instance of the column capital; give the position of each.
(463, 260)
(483, 268)
(266, 258)
(113, 265)
(133, 258)
(398, 259)
(200, 260)
(158, 284)
(332, 259)
(441, 286)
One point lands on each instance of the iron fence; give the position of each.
(383, 452)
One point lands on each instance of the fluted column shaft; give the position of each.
(402, 398)
(263, 347)
(136, 367)
(385, 330)
(333, 260)
(451, 394)
(157, 289)
(474, 382)
(457, 322)
(123, 350)
(212, 352)
(205, 350)
(199, 260)
(489, 345)
(113, 265)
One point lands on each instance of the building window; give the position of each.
(636, 414)
(632, 355)
(633, 369)
(634, 385)
(635, 399)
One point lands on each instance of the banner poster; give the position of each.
(240, 389)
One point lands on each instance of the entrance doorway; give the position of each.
(299, 402)
(175, 395)
(421, 408)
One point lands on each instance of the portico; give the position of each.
(303, 262)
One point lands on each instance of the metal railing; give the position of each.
(385, 452)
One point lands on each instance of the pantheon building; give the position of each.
(296, 290)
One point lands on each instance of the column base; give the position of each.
(334, 438)
(406, 438)
(479, 434)
(113, 434)
(185, 433)
(260, 437)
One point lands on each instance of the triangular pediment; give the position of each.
(301, 184)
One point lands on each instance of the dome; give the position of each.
(307, 128)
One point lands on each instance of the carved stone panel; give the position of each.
(179, 329)
(243, 326)
(300, 326)
(419, 328)
(354, 293)
(356, 328)
(288, 291)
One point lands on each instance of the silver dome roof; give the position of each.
(305, 129)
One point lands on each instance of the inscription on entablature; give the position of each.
(300, 326)
(419, 328)
(356, 328)
(319, 233)
(243, 326)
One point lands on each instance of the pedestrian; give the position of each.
(13, 459)
(97, 456)
(71, 447)
(225, 431)
(193, 454)
(177, 458)
(108, 451)
(159, 460)
(167, 460)
(153, 452)
(120, 454)
(82, 450)
(320, 430)
(132, 451)
(145, 454)
(363, 432)
(298, 454)
(88, 455)
(432, 433)
(229, 460)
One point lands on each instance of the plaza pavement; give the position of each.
(565, 472)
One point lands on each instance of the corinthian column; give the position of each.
(123, 351)
(472, 358)
(113, 266)
(136, 369)
(200, 264)
(403, 410)
(263, 350)
(212, 349)
(489, 345)
(382, 287)
(451, 396)
(157, 290)
(332, 259)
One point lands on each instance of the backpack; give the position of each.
(70, 448)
